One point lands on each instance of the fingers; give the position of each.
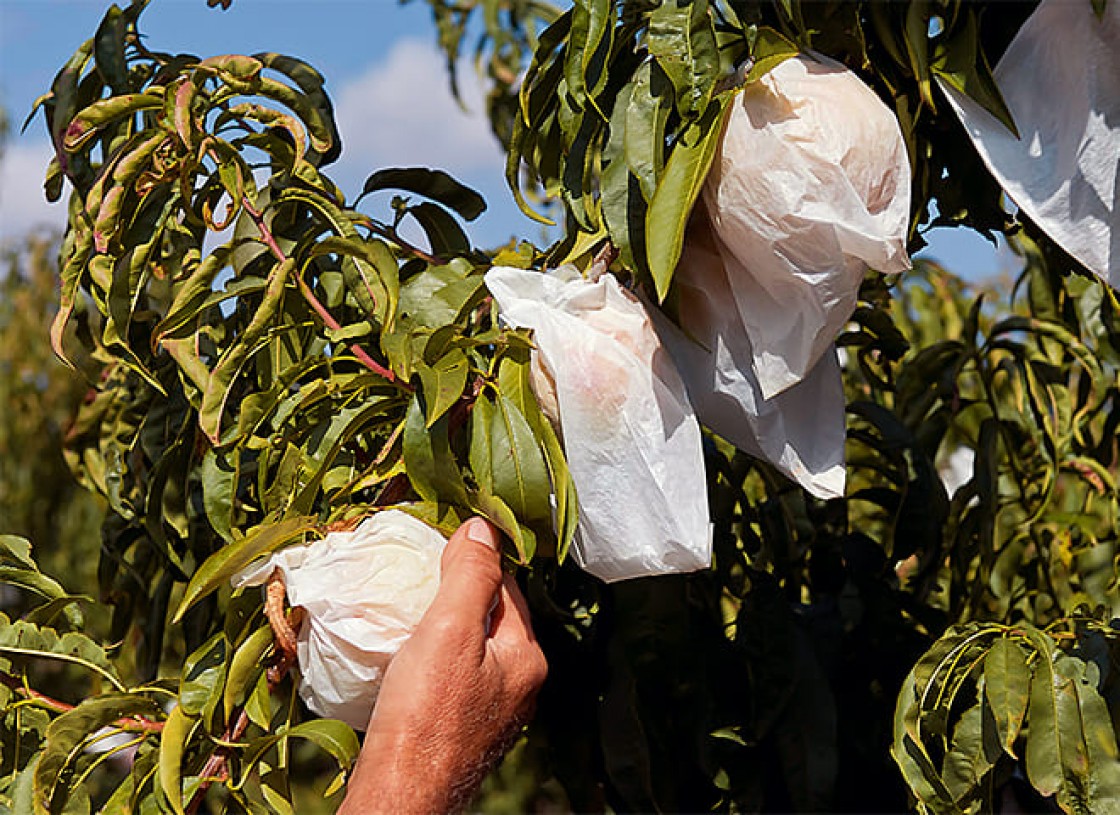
(470, 574)
(510, 621)
(511, 633)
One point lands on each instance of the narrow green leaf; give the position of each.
(67, 735)
(975, 750)
(330, 735)
(428, 460)
(172, 745)
(1099, 792)
(647, 113)
(245, 668)
(1047, 743)
(499, 513)
(445, 237)
(203, 677)
(520, 475)
(1007, 680)
(233, 557)
(237, 354)
(21, 639)
(770, 50)
(677, 192)
(682, 39)
(106, 111)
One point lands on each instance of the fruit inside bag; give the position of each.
(631, 438)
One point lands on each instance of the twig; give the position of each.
(284, 630)
(215, 767)
(602, 261)
(392, 235)
(130, 724)
(312, 300)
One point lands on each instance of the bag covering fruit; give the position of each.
(810, 187)
(629, 433)
(363, 593)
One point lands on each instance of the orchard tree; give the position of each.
(275, 361)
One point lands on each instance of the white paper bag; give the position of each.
(363, 592)
(809, 188)
(1060, 78)
(801, 430)
(630, 436)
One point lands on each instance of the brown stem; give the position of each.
(606, 255)
(392, 235)
(131, 724)
(283, 627)
(284, 630)
(312, 300)
(215, 767)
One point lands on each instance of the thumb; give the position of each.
(470, 573)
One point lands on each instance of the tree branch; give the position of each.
(305, 290)
(132, 724)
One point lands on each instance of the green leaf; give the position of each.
(514, 385)
(961, 62)
(233, 557)
(445, 236)
(237, 354)
(975, 750)
(245, 668)
(17, 550)
(86, 124)
(434, 184)
(109, 49)
(917, 46)
(1007, 679)
(647, 113)
(428, 459)
(518, 470)
(682, 40)
(1055, 744)
(330, 735)
(67, 736)
(443, 383)
(21, 639)
(621, 198)
(173, 741)
(203, 677)
(770, 50)
(499, 513)
(677, 191)
(1099, 791)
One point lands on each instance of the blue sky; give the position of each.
(383, 71)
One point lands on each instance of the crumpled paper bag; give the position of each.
(363, 592)
(629, 433)
(809, 188)
(801, 430)
(1060, 78)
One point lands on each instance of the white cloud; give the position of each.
(23, 207)
(400, 112)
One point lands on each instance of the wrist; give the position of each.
(394, 775)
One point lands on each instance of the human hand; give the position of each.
(456, 693)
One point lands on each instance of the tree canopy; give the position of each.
(270, 361)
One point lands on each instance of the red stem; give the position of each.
(132, 724)
(309, 296)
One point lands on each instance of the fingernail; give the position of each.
(479, 530)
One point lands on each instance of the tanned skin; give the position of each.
(457, 692)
